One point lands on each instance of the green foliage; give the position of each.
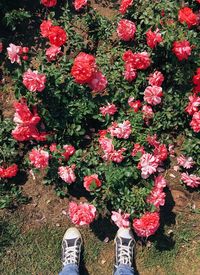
(16, 17)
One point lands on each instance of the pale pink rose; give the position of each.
(186, 162)
(148, 165)
(120, 130)
(106, 144)
(14, 53)
(156, 197)
(191, 180)
(156, 79)
(98, 82)
(82, 214)
(67, 173)
(160, 182)
(34, 81)
(39, 158)
(110, 109)
(153, 94)
(121, 220)
(52, 53)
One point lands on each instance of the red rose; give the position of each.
(57, 36)
(139, 61)
(83, 68)
(125, 4)
(196, 78)
(9, 172)
(81, 214)
(186, 15)
(182, 49)
(91, 182)
(153, 38)
(49, 3)
(78, 4)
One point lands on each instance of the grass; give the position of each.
(176, 251)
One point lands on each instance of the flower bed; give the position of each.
(99, 103)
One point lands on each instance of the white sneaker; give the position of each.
(71, 247)
(124, 247)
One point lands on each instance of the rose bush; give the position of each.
(100, 111)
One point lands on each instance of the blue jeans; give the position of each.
(72, 269)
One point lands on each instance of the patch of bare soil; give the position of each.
(45, 206)
(7, 98)
(105, 8)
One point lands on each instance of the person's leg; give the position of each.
(124, 252)
(71, 251)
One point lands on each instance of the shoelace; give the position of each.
(71, 255)
(124, 254)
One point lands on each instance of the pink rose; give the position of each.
(156, 79)
(130, 72)
(191, 180)
(34, 81)
(110, 109)
(52, 53)
(121, 220)
(45, 28)
(195, 123)
(81, 214)
(91, 182)
(98, 82)
(120, 130)
(182, 49)
(126, 30)
(39, 158)
(147, 224)
(153, 94)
